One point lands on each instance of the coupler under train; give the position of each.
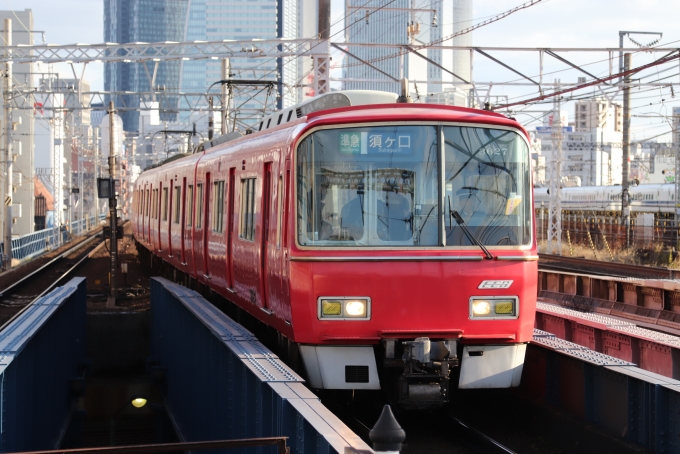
(426, 365)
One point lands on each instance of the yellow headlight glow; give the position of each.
(331, 308)
(481, 308)
(504, 307)
(354, 308)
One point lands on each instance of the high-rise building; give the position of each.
(195, 20)
(23, 132)
(597, 113)
(675, 136)
(127, 21)
(407, 23)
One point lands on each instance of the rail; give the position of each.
(32, 244)
(600, 267)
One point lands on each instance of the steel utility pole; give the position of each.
(7, 235)
(625, 194)
(211, 118)
(554, 244)
(112, 205)
(226, 69)
(322, 72)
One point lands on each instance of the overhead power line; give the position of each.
(660, 61)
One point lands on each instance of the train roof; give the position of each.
(410, 112)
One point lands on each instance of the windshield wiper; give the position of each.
(471, 236)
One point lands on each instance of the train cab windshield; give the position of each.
(398, 186)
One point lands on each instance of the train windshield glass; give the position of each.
(381, 186)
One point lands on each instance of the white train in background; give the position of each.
(644, 198)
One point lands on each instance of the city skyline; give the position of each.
(551, 23)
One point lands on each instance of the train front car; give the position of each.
(414, 263)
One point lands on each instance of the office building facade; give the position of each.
(195, 20)
(24, 130)
(403, 22)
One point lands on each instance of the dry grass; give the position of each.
(657, 255)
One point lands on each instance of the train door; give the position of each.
(189, 225)
(170, 214)
(216, 238)
(198, 230)
(182, 221)
(230, 227)
(285, 226)
(206, 225)
(159, 195)
(149, 196)
(266, 217)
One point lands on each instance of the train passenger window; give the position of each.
(218, 207)
(175, 209)
(199, 205)
(165, 204)
(154, 208)
(147, 202)
(190, 204)
(247, 227)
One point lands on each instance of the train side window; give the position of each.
(155, 204)
(165, 204)
(190, 204)
(289, 115)
(176, 199)
(199, 205)
(146, 203)
(279, 214)
(247, 229)
(218, 207)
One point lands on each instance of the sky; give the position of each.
(549, 23)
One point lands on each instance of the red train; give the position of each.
(393, 244)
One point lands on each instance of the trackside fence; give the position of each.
(633, 403)
(41, 352)
(219, 382)
(33, 244)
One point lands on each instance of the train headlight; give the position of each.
(494, 307)
(481, 308)
(344, 308)
(355, 308)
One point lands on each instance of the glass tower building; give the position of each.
(127, 21)
(389, 22)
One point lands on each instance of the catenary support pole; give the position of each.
(113, 214)
(7, 231)
(625, 184)
(554, 243)
(322, 62)
(226, 69)
(211, 118)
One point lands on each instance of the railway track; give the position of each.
(432, 432)
(602, 268)
(15, 298)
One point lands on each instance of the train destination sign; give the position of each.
(367, 142)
